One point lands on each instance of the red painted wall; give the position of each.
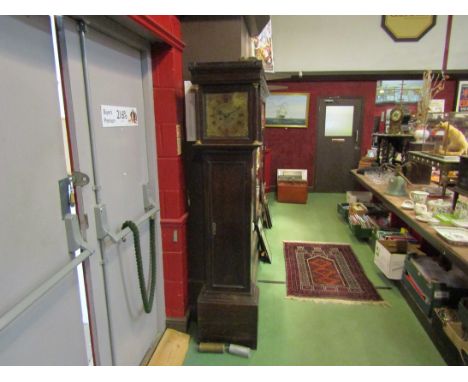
(295, 148)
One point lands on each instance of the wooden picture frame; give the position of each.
(289, 110)
(412, 28)
(462, 96)
(264, 247)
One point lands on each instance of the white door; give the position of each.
(32, 235)
(107, 69)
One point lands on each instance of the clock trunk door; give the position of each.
(228, 196)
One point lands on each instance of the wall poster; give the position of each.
(263, 47)
(462, 99)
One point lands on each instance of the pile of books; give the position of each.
(364, 221)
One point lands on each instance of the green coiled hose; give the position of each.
(147, 302)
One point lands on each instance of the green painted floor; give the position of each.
(292, 332)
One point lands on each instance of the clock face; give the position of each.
(396, 115)
(226, 115)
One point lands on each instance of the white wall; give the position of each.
(358, 43)
(458, 53)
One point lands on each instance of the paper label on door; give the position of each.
(119, 116)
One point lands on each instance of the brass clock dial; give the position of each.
(226, 115)
(396, 115)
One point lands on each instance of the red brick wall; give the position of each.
(168, 91)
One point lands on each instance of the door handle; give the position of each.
(338, 140)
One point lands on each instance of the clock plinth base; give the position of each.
(228, 317)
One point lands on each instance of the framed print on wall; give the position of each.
(287, 110)
(462, 99)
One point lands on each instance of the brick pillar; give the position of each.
(169, 115)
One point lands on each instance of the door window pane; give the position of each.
(339, 121)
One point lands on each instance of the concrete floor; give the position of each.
(295, 332)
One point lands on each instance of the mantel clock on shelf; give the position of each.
(229, 134)
(396, 117)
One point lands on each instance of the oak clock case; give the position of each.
(228, 140)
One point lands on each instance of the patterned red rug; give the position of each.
(326, 271)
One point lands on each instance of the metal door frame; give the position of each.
(63, 271)
(96, 285)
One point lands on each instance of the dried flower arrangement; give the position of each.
(433, 84)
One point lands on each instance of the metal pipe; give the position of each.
(96, 186)
(37, 293)
(92, 139)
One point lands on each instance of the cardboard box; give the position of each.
(358, 196)
(391, 264)
(357, 209)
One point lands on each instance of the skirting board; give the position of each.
(179, 323)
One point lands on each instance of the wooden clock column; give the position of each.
(229, 132)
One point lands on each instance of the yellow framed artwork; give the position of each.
(408, 28)
(289, 110)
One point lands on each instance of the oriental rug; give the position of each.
(326, 271)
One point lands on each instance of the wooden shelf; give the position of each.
(446, 349)
(457, 254)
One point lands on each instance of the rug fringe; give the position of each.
(314, 242)
(384, 304)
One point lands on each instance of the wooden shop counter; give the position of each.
(457, 254)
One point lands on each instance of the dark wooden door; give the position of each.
(228, 219)
(338, 143)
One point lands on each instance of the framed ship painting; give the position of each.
(287, 110)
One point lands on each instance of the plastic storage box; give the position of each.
(362, 233)
(343, 210)
(431, 286)
(358, 196)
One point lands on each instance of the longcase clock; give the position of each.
(229, 135)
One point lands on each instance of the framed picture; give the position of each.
(462, 99)
(408, 28)
(264, 247)
(287, 110)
